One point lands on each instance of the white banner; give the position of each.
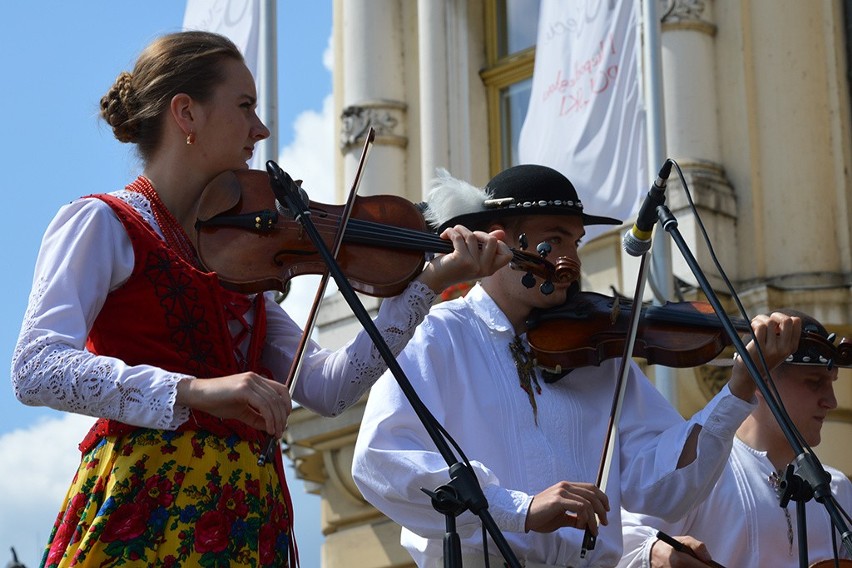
(586, 116)
(238, 20)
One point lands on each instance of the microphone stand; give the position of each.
(463, 490)
(808, 478)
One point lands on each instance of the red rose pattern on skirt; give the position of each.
(172, 499)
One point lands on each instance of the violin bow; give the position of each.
(610, 441)
(296, 366)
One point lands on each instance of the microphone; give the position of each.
(637, 241)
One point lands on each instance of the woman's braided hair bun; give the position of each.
(116, 108)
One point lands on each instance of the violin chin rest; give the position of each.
(224, 191)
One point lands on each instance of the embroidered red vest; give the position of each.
(171, 315)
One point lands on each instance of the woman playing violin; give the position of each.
(535, 445)
(123, 324)
(741, 523)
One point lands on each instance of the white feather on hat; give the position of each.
(450, 197)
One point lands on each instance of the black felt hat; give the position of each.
(526, 189)
(810, 353)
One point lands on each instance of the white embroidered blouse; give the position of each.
(85, 254)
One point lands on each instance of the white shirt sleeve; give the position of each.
(651, 481)
(394, 456)
(640, 534)
(84, 254)
(331, 381)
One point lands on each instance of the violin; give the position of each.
(841, 563)
(592, 327)
(254, 244)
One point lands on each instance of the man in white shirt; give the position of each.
(535, 445)
(741, 523)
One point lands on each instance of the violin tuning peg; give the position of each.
(528, 280)
(547, 288)
(543, 249)
(522, 241)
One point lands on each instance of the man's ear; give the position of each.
(495, 226)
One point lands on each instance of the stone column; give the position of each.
(444, 86)
(786, 96)
(374, 92)
(692, 134)
(434, 80)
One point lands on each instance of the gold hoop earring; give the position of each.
(190, 138)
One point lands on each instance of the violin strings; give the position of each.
(370, 232)
(379, 234)
(661, 314)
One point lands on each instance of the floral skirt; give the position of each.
(162, 498)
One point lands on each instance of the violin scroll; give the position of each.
(814, 349)
(564, 271)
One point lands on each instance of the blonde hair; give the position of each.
(184, 62)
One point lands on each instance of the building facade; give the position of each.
(757, 114)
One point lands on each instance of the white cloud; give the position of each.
(310, 158)
(328, 54)
(36, 468)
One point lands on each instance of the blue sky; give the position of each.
(57, 58)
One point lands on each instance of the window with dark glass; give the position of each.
(511, 30)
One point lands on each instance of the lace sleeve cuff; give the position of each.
(174, 414)
(422, 293)
(342, 377)
(399, 317)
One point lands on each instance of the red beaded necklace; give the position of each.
(173, 232)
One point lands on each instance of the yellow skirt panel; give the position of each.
(163, 498)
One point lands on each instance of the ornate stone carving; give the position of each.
(686, 14)
(383, 116)
(679, 10)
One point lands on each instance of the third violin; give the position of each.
(590, 328)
